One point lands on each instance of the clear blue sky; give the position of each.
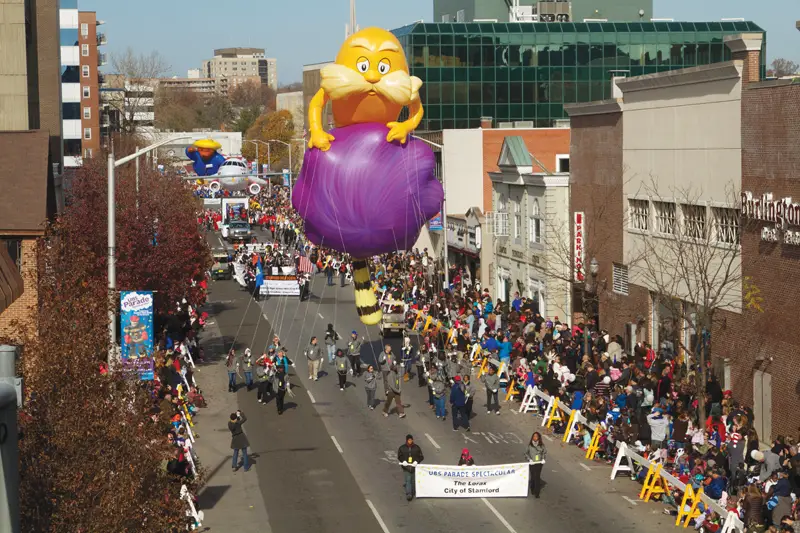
(299, 32)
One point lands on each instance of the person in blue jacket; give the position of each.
(505, 350)
(205, 158)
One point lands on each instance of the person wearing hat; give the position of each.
(205, 158)
(458, 401)
(354, 353)
(409, 455)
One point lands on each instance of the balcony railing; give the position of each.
(101, 60)
(101, 39)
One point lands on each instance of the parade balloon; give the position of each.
(366, 196)
(367, 187)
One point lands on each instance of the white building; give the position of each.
(242, 64)
(72, 130)
(530, 225)
(293, 103)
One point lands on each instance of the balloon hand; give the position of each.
(398, 131)
(320, 139)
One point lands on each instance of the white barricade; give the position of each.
(193, 512)
(732, 522)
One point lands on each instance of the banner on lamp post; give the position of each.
(287, 178)
(579, 245)
(136, 315)
(494, 481)
(435, 223)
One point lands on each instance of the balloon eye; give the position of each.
(384, 66)
(362, 65)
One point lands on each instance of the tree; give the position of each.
(91, 455)
(253, 94)
(695, 270)
(216, 113)
(139, 75)
(291, 87)
(247, 117)
(784, 67)
(178, 109)
(277, 125)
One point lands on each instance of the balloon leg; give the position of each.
(366, 301)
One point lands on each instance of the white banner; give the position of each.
(495, 481)
(238, 274)
(280, 287)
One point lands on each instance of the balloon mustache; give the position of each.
(398, 87)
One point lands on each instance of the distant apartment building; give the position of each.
(238, 65)
(90, 81)
(70, 81)
(193, 73)
(311, 84)
(128, 106)
(293, 103)
(199, 85)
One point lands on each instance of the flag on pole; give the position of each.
(305, 265)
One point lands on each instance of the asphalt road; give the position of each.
(329, 463)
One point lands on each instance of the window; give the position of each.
(501, 202)
(84, 29)
(87, 113)
(665, 213)
(639, 213)
(85, 71)
(85, 50)
(620, 279)
(87, 153)
(87, 133)
(535, 224)
(86, 91)
(14, 247)
(694, 221)
(500, 224)
(562, 163)
(460, 15)
(517, 221)
(726, 225)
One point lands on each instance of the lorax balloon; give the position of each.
(366, 188)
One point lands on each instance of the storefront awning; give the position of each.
(458, 250)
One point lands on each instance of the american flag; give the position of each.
(305, 265)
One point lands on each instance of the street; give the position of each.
(330, 463)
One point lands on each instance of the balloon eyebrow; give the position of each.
(388, 46)
(362, 43)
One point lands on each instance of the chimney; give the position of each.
(746, 47)
(486, 123)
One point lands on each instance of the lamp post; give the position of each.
(112, 234)
(444, 212)
(589, 292)
(289, 146)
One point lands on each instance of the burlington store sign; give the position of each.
(783, 213)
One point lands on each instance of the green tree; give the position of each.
(247, 117)
(216, 113)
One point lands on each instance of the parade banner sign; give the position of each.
(280, 286)
(435, 224)
(495, 481)
(136, 315)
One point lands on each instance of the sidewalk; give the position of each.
(231, 501)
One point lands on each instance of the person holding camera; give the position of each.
(239, 440)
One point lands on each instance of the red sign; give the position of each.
(579, 245)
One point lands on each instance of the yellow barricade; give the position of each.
(691, 498)
(594, 445)
(554, 414)
(654, 483)
(569, 425)
(512, 388)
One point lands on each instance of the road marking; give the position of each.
(469, 439)
(320, 315)
(390, 457)
(548, 437)
(499, 516)
(220, 241)
(336, 443)
(266, 317)
(433, 442)
(377, 517)
(629, 500)
(315, 401)
(583, 465)
(514, 411)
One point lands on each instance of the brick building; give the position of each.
(90, 61)
(734, 141)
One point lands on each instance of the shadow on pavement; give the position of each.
(211, 495)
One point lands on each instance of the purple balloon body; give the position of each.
(366, 196)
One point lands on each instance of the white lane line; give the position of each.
(266, 317)
(433, 442)
(320, 315)
(336, 443)
(499, 516)
(311, 396)
(583, 465)
(514, 411)
(378, 517)
(629, 500)
(548, 437)
(220, 242)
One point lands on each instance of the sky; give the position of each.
(301, 32)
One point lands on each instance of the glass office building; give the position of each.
(528, 71)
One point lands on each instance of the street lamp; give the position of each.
(444, 212)
(112, 233)
(289, 146)
(589, 289)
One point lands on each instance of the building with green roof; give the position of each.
(526, 72)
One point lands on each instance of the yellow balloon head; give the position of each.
(374, 53)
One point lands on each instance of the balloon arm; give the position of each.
(399, 131)
(315, 107)
(416, 113)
